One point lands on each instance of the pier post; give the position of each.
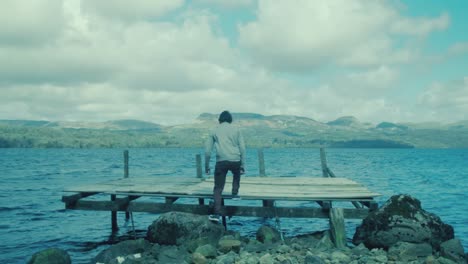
(125, 163)
(199, 166)
(127, 214)
(323, 160)
(115, 227)
(261, 163)
(337, 227)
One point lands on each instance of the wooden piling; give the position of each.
(323, 161)
(199, 166)
(125, 163)
(261, 163)
(337, 227)
(126, 174)
(115, 227)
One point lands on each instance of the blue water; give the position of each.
(32, 216)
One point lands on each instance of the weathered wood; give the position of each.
(115, 227)
(337, 227)
(230, 210)
(171, 200)
(126, 164)
(326, 205)
(199, 166)
(323, 161)
(261, 163)
(71, 199)
(268, 203)
(127, 214)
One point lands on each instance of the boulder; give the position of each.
(401, 218)
(226, 245)
(122, 249)
(177, 228)
(50, 256)
(453, 250)
(266, 235)
(405, 251)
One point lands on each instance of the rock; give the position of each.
(50, 256)
(283, 249)
(453, 250)
(325, 243)
(226, 245)
(207, 251)
(401, 218)
(266, 234)
(122, 249)
(173, 254)
(340, 257)
(176, 228)
(229, 258)
(405, 251)
(198, 258)
(311, 259)
(359, 250)
(266, 259)
(442, 260)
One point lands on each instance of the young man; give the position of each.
(230, 156)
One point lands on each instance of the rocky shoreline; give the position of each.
(398, 232)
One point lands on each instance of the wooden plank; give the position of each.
(230, 210)
(70, 199)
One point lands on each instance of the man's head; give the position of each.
(225, 116)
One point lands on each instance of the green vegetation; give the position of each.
(259, 131)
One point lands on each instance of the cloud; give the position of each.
(228, 4)
(446, 101)
(309, 34)
(30, 22)
(130, 10)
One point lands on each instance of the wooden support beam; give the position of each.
(72, 199)
(201, 201)
(199, 166)
(127, 214)
(323, 161)
(171, 200)
(326, 205)
(372, 205)
(261, 163)
(151, 207)
(115, 227)
(337, 227)
(126, 164)
(268, 203)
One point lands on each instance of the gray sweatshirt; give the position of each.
(228, 142)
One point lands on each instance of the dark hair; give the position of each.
(225, 116)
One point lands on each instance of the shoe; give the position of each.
(214, 218)
(236, 197)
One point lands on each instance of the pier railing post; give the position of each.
(127, 214)
(261, 163)
(115, 227)
(125, 163)
(337, 227)
(199, 166)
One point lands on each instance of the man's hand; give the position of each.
(207, 171)
(242, 170)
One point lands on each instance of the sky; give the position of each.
(168, 61)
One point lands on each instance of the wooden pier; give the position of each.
(261, 192)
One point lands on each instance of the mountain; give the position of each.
(259, 131)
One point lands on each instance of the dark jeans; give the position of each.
(221, 169)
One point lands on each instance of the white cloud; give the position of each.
(309, 34)
(27, 22)
(446, 101)
(229, 4)
(136, 9)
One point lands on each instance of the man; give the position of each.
(230, 156)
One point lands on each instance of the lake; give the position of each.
(33, 218)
